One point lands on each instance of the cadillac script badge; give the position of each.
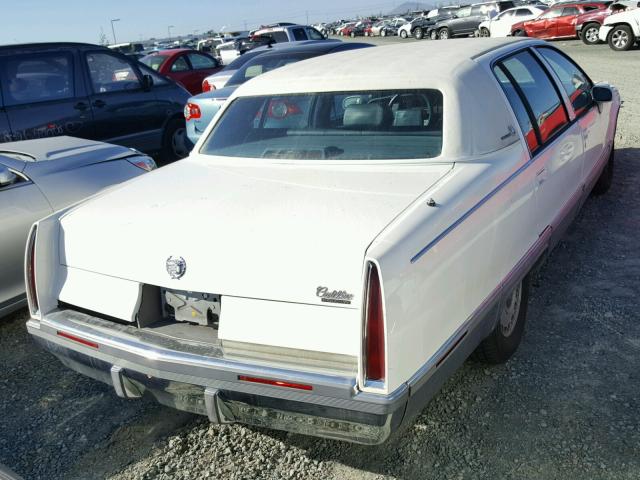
(176, 267)
(333, 296)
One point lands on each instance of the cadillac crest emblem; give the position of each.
(176, 267)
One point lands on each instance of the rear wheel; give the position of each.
(519, 33)
(175, 144)
(444, 34)
(605, 179)
(590, 34)
(403, 34)
(418, 33)
(433, 35)
(383, 33)
(484, 32)
(353, 34)
(621, 38)
(505, 338)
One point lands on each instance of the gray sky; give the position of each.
(75, 20)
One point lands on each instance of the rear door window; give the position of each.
(570, 11)
(314, 34)
(201, 62)
(37, 78)
(110, 73)
(180, 65)
(538, 93)
(299, 34)
(574, 81)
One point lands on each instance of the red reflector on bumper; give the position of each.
(277, 383)
(73, 338)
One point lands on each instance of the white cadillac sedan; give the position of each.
(339, 241)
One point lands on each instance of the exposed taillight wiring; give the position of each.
(374, 338)
(192, 111)
(30, 272)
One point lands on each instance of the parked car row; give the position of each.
(562, 20)
(337, 255)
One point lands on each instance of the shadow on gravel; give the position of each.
(51, 417)
(566, 405)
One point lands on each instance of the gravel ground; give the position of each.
(566, 406)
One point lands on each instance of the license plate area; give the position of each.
(191, 307)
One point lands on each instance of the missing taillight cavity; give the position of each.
(276, 383)
(79, 340)
(192, 111)
(374, 352)
(30, 271)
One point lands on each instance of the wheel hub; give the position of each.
(510, 311)
(620, 38)
(591, 34)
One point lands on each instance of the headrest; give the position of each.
(365, 116)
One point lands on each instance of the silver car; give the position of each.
(38, 177)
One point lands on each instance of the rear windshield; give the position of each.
(154, 61)
(367, 125)
(265, 63)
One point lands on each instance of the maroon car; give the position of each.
(588, 24)
(557, 22)
(185, 66)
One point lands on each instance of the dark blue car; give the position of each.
(92, 92)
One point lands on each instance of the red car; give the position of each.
(185, 66)
(557, 22)
(588, 24)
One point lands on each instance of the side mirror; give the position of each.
(600, 93)
(147, 82)
(7, 177)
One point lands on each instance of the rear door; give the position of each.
(566, 23)
(555, 142)
(124, 113)
(298, 34)
(21, 204)
(458, 24)
(44, 96)
(201, 67)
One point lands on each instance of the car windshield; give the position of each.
(263, 64)
(367, 125)
(154, 61)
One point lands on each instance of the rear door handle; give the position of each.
(99, 103)
(82, 106)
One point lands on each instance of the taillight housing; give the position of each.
(30, 272)
(145, 163)
(374, 355)
(206, 86)
(192, 111)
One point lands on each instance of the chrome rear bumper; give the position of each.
(206, 383)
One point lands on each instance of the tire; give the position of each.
(403, 34)
(519, 33)
(444, 34)
(621, 38)
(589, 34)
(383, 33)
(433, 35)
(484, 32)
(175, 144)
(418, 33)
(503, 341)
(603, 184)
(352, 34)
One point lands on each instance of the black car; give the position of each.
(421, 25)
(92, 92)
(466, 20)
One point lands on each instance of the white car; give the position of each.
(621, 30)
(500, 25)
(38, 177)
(336, 245)
(405, 30)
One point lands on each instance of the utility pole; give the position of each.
(307, 13)
(169, 27)
(113, 30)
(245, 24)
